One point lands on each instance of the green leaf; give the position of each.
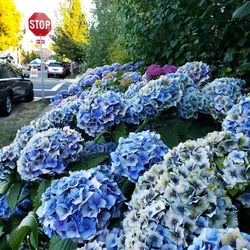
(4, 187)
(233, 192)
(144, 124)
(120, 131)
(41, 189)
(100, 137)
(13, 194)
(220, 163)
(96, 159)
(228, 57)
(168, 136)
(28, 224)
(127, 188)
(243, 68)
(1, 230)
(182, 126)
(242, 11)
(59, 244)
(92, 161)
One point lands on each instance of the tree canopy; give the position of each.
(70, 36)
(216, 32)
(104, 35)
(10, 20)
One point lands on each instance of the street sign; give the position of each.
(38, 41)
(39, 24)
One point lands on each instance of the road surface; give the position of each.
(51, 86)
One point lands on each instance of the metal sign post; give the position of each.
(40, 25)
(42, 77)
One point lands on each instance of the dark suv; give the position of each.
(13, 88)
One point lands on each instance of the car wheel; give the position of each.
(8, 104)
(30, 95)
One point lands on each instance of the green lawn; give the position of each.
(22, 115)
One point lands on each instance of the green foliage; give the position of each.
(92, 161)
(59, 244)
(242, 12)
(178, 31)
(10, 20)
(104, 40)
(70, 36)
(117, 53)
(66, 48)
(28, 225)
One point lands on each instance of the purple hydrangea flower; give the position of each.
(166, 69)
(153, 71)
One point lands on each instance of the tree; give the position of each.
(178, 31)
(104, 35)
(27, 57)
(10, 20)
(70, 36)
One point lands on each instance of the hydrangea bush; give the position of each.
(110, 128)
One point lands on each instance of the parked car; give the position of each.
(57, 69)
(14, 88)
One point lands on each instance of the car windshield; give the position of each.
(55, 65)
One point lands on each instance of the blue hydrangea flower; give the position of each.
(59, 116)
(192, 102)
(80, 206)
(164, 92)
(198, 71)
(100, 111)
(146, 99)
(4, 207)
(23, 207)
(237, 119)
(8, 158)
(137, 153)
(61, 94)
(245, 199)
(108, 240)
(23, 135)
(220, 239)
(222, 94)
(91, 147)
(49, 152)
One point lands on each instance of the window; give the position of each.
(7, 72)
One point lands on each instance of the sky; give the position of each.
(49, 7)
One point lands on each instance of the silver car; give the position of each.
(57, 69)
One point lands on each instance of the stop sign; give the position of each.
(40, 24)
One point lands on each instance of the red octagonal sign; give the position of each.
(40, 24)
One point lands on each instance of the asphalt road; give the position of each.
(51, 86)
